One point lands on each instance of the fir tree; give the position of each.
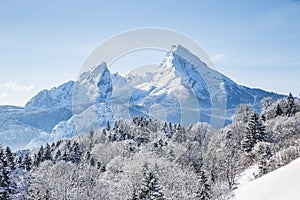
(4, 177)
(204, 190)
(248, 141)
(65, 157)
(108, 127)
(98, 164)
(290, 106)
(20, 163)
(88, 155)
(265, 163)
(92, 162)
(53, 146)
(47, 153)
(10, 158)
(165, 128)
(278, 111)
(180, 134)
(76, 153)
(255, 132)
(38, 158)
(171, 131)
(91, 136)
(134, 196)
(151, 187)
(27, 162)
(58, 155)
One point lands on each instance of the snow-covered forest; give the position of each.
(150, 159)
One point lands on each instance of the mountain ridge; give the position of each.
(182, 89)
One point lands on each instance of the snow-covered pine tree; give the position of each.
(76, 153)
(65, 157)
(92, 162)
(248, 141)
(204, 190)
(91, 137)
(164, 128)
(47, 153)
(255, 132)
(151, 188)
(39, 157)
(4, 176)
(278, 110)
(108, 127)
(134, 196)
(180, 134)
(265, 163)
(10, 158)
(27, 162)
(260, 135)
(57, 156)
(290, 109)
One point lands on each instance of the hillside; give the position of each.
(282, 183)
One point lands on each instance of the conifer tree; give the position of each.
(92, 162)
(278, 111)
(290, 106)
(255, 132)
(134, 196)
(65, 157)
(58, 155)
(204, 190)
(76, 153)
(108, 127)
(39, 157)
(180, 134)
(27, 162)
(151, 187)
(91, 137)
(47, 153)
(265, 163)
(248, 141)
(4, 177)
(10, 158)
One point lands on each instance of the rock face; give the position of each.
(181, 89)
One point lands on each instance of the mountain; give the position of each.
(282, 183)
(19, 125)
(181, 89)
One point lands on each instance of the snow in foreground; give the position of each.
(283, 183)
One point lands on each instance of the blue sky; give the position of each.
(44, 43)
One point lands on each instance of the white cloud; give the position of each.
(14, 85)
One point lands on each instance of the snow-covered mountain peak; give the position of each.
(180, 67)
(183, 86)
(94, 72)
(184, 53)
(94, 86)
(60, 96)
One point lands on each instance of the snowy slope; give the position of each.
(18, 125)
(91, 104)
(187, 90)
(94, 86)
(60, 96)
(281, 184)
